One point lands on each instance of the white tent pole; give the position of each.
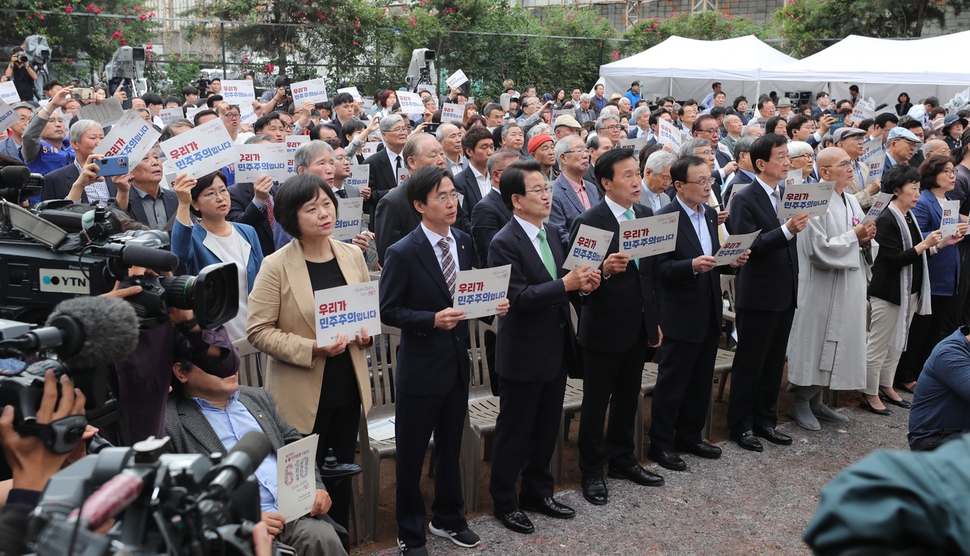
(757, 96)
(670, 90)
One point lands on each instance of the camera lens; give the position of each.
(213, 295)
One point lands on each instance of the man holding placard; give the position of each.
(619, 321)
(851, 139)
(765, 300)
(572, 195)
(532, 381)
(690, 292)
(827, 347)
(417, 291)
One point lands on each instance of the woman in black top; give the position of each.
(904, 104)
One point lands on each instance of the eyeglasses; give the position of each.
(232, 116)
(844, 164)
(705, 183)
(287, 125)
(540, 191)
(340, 158)
(708, 131)
(397, 129)
(445, 197)
(950, 172)
(611, 127)
(581, 152)
(806, 155)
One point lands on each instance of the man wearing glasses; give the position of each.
(572, 195)
(232, 118)
(43, 137)
(851, 140)
(386, 165)
(705, 127)
(609, 125)
(532, 112)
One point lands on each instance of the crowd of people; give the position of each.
(850, 304)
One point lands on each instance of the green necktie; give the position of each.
(547, 259)
(630, 216)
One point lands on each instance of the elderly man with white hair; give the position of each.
(85, 136)
(656, 180)
(585, 111)
(608, 125)
(800, 154)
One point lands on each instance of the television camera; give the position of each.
(421, 70)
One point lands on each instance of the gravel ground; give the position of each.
(743, 503)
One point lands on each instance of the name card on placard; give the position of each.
(652, 235)
(107, 113)
(296, 484)
(403, 173)
(369, 148)
(812, 198)
(950, 218)
(589, 248)
(873, 168)
(762, 123)
(292, 143)
(169, 174)
(312, 90)
(131, 136)
(8, 116)
(870, 148)
(457, 79)
(201, 150)
(169, 114)
(667, 133)
(8, 92)
(410, 103)
(346, 310)
(256, 160)
(353, 92)
(636, 144)
(734, 246)
(349, 214)
(878, 205)
(241, 93)
(359, 176)
(478, 292)
(794, 177)
(451, 112)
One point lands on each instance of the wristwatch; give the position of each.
(188, 325)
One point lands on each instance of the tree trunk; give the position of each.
(920, 15)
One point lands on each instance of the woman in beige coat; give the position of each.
(317, 389)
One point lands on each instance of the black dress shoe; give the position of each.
(667, 460)
(866, 405)
(546, 506)
(515, 521)
(637, 474)
(594, 491)
(773, 436)
(899, 403)
(906, 389)
(700, 449)
(747, 441)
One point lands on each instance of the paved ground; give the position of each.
(743, 503)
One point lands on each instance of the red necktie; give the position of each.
(269, 211)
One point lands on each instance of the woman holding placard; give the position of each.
(282, 318)
(213, 239)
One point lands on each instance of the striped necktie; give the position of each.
(448, 264)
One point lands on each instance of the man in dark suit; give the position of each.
(597, 145)
(690, 292)
(532, 381)
(85, 136)
(765, 298)
(385, 164)
(252, 203)
(572, 195)
(745, 174)
(705, 127)
(473, 182)
(619, 321)
(417, 295)
(491, 214)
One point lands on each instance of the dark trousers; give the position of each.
(338, 429)
(525, 438)
(416, 418)
(925, 331)
(610, 378)
(683, 392)
(758, 367)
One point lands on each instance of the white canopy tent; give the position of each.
(686, 68)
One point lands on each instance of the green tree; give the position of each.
(710, 25)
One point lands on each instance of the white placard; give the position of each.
(411, 103)
(292, 143)
(667, 133)
(457, 79)
(296, 480)
(478, 292)
(240, 92)
(191, 111)
(812, 198)
(201, 150)
(874, 165)
(566, 112)
(346, 310)
(367, 104)
(870, 148)
(636, 144)
(734, 246)
(8, 92)
(312, 90)
(107, 113)
(794, 178)
(403, 173)
(425, 87)
(878, 205)
(589, 248)
(652, 235)
(266, 158)
(359, 176)
(369, 148)
(349, 213)
(8, 116)
(353, 92)
(862, 111)
(452, 112)
(735, 189)
(169, 174)
(950, 218)
(169, 114)
(381, 430)
(131, 136)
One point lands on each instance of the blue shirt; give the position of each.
(942, 398)
(699, 223)
(230, 425)
(50, 158)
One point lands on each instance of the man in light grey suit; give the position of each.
(207, 414)
(571, 194)
(656, 180)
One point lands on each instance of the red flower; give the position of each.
(137, 9)
(616, 54)
(68, 9)
(123, 42)
(90, 7)
(116, 34)
(143, 17)
(411, 21)
(246, 59)
(40, 16)
(356, 43)
(148, 47)
(97, 11)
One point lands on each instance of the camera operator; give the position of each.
(22, 75)
(279, 100)
(32, 463)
